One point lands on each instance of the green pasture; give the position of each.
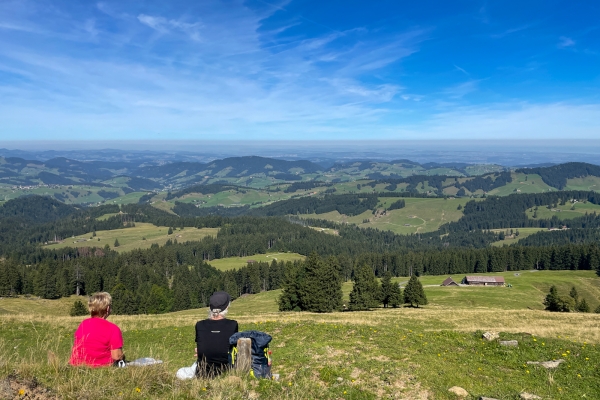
(522, 183)
(388, 353)
(587, 183)
(86, 194)
(228, 263)
(141, 236)
(523, 233)
(129, 198)
(566, 211)
(420, 214)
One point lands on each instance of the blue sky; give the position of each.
(299, 70)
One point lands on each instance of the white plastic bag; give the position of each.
(142, 362)
(187, 372)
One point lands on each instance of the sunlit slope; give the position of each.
(419, 215)
(141, 236)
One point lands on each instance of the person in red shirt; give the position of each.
(98, 342)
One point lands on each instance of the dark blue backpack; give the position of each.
(261, 360)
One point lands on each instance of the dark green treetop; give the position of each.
(366, 291)
(414, 293)
(390, 292)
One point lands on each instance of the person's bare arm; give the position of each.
(116, 354)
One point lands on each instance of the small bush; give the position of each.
(78, 309)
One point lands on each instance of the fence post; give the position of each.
(244, 355)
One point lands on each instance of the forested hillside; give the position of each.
(178, 275)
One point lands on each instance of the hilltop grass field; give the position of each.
(418, 216)
(566, 211)
(523, 233)
(141, 236)
(228, 263)
(400, 353)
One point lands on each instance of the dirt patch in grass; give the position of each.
(13, 387)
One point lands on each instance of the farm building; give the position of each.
(449, 282)
(484, 280)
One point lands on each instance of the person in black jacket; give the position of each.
(212, 336)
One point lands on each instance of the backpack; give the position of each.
(261, 360)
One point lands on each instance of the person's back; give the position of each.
(212, 336)
(97, 342)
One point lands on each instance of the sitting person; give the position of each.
(98, 342)
(212, 336)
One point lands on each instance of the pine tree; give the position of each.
(414, 293)
(117, 244)
(387, 289)
(366, 291)
(322, 287)
(78, 309)
(124, 301)
(583, 306)
(597, 310)
(170, 232)
(574, 295)
(552, 300)
(395, 296)
(292, 287)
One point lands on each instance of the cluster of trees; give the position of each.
(307, 185)
(349, 204)
(397, 205)
(486, 184)
(572, 302)
(212, 188)
(316, 286)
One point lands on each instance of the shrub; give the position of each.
(78, 309)
(583, 306)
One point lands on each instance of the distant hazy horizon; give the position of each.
(504, 152)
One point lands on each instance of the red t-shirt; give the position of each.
(94, 339)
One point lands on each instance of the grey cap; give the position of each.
(219, 301)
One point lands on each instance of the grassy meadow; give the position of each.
(141, 236)
(225, 264)
(418, 216)
(400, 353)
(523, 233)
(566, 211)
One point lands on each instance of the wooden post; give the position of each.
(244, 355)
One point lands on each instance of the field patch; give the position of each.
(511, 238)
(225, 264)
(419, 215)
(587, 183)
(141, 236)
(522, 183)
(566, 211)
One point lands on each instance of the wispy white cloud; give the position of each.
(510, 31)
(461, 70)
(564, 42)
(462, 89)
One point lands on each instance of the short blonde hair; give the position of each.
(98, 304)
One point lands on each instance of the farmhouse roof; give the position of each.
(485, 279)
(448, 281)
